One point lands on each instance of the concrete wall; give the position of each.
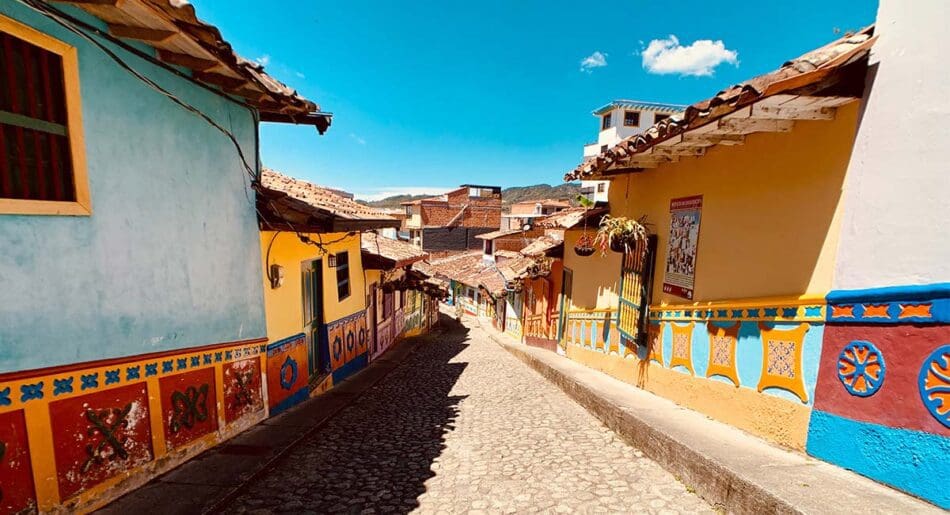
(881, 401)
(169, 258)
(895, 198)
(454, 238)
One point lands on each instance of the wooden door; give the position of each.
(312, 279)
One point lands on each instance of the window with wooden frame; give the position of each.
(42, 156)
(631, 118)
(342, 275)
(605, 122)
(659, 117)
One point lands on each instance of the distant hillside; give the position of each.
(539, 192)
(508, 195)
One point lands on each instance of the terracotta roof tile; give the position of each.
(320, 198)
(400, 253)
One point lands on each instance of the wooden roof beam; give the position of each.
(767, 112)
(229, 84)
(188, 61)
(678, 151)
(710, 139)
(750, 125)
(146, 34)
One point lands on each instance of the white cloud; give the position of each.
(263, 60)
(298, 74)
(700, 58)
(357, 139)
(390, 191)
(596, 60)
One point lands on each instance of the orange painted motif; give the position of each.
(683, 346)
(722, 352)
(842, 311)
(876, 311)
(915, 310)
(782, 359)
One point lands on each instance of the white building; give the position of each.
(619, 120)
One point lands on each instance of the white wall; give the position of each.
(897, 193)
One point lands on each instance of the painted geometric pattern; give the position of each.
(782, 359)
(775, 312)
(891, 312)
(861, 368)
(934, 384)
(722, 352)
(682, 346)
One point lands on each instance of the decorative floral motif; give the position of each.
(861, 368)
(63, 385)
(288, 373)
(89, 381)
(132, 372)
(112, 376)
(29, 392)
(5, 397)
(781, 361)
(934, 384)
(151, 369)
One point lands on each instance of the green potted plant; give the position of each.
(619, 234)
(585, 244)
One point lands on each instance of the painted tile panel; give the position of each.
(100, 435)
(189, 406)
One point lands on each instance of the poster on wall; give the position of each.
(681, 254)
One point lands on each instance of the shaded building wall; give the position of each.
(114, 321)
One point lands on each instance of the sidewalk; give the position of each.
(210, 480)
(727, 467)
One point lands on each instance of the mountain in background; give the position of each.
(509, 196)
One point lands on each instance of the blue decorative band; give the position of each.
(921, 304)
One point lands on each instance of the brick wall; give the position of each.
(436, 239)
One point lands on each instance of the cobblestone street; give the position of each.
(463, 426)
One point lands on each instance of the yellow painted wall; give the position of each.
(770, 216)
(775, 419)
(284, 305)
(596, 277)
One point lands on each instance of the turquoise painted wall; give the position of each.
(170, 257)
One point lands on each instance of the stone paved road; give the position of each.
(463, 426)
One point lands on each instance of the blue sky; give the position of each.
(428, 94)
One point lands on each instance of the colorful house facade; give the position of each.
(318, 327)
(769, 296)
(132, 335)
(401, 300)
(450, 222)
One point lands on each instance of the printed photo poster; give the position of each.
(684, 236)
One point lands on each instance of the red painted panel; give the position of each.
(242, 388)
(897, 403)
(189, 406)
(286, 369)
(16, 474)
(99, 435)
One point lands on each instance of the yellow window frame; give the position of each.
(82, 206)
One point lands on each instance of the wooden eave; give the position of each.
(210, 62)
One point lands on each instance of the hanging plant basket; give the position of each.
(584, 246)
(618, 245)
(619, 233)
